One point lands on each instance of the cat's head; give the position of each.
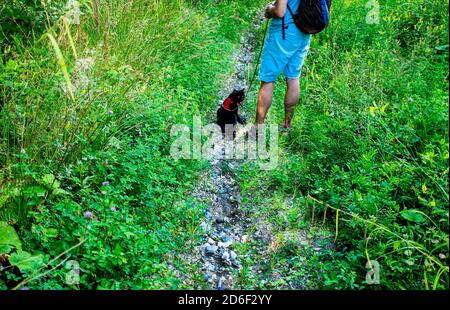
(238, 95)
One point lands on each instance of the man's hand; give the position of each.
(276, 9)
(269, 10)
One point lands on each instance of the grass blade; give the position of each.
(69, 36)
(62, 64)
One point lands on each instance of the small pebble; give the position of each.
(220, 284)
(224, 244)
(233, 255)
(222, 219)
(225, 255)
(211, 249)
(225, 238)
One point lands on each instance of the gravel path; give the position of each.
(224, 224)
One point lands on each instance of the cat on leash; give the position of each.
(228, 112)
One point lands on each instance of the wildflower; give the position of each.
(103, 193)
(106, 183)
(442, 256)
(410, 99)
(113, 209)
(24, 288)
(110, 112)
(170, 118)
(88, 215)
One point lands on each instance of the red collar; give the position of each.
(228, 105)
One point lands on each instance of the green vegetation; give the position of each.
(85, 170)
(136, 67)
(371, 140)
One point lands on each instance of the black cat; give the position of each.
(228, 113)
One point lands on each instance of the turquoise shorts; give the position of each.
(285, 56)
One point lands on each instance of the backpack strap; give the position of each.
(282, 22)
(290, 11)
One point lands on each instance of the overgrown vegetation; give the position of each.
(85, 173)
(370, 139)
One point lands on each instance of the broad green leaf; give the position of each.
(39, 191)
(8, 238)
(413, 215)
(51, 232)
(50, 181)
(25, 261)
(60, 192)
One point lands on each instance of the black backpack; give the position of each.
(312, 16)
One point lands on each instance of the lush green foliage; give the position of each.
(85, 171)
(90, 176)
(20, 19)
(371, 139)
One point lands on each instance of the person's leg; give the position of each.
(265, 97)
(290, 100)
(292, 71)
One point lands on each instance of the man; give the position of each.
(284, 51)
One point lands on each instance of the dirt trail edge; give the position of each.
(224, 225)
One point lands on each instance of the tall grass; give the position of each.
(55, 105)
(93, 102)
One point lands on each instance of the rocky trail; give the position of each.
(227, 226)
(225, 223)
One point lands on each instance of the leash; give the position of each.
(257, 63)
